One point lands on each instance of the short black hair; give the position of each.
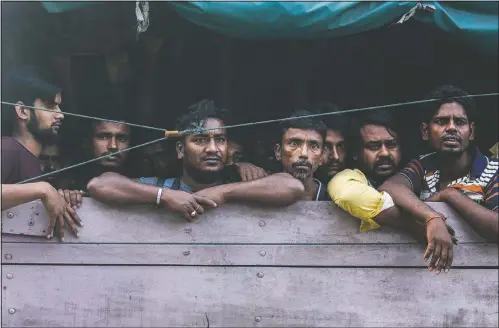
(381, 117)
(305, 123)
(26, 84)
(445, 95)
(200, 112)
(336, 122)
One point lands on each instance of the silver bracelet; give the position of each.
(158, 198)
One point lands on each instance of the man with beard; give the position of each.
(300, 152)
(105, 138)
(205, 181)
(376, 146)
(456, 173)
(31, 130)
(376, 154)
(335, 146)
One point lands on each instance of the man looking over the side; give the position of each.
(205, 181)
(103, 138)
(50, 161)
(334, 154)
(30, 130)
(456, 173)
(376, 151)
(375, 146)
(300, 152)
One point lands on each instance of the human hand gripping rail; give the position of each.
(173, 133)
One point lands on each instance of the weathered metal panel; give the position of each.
(51, 296)
(303, 222)
(400, 255)
(241, 266)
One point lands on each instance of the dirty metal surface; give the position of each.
(135, 296)
(238, 266)
(303, 222)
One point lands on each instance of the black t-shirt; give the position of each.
(18, 163)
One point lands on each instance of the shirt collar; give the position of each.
(479, 163)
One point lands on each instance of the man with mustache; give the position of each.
(335, 146)
(456, 173)
(31, 130)
(376, 146)
(300, 152)
(376, 155)
(205, 182)
(105, 138)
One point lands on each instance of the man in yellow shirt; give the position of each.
(376, 154)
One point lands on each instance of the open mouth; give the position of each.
(451, 140)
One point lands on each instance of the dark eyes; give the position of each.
(329, 146)
(377, 146)
(203, 141)
(458, 121)
(314, 146)
(296, 143)
(106, 137)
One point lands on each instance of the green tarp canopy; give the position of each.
(476, 23)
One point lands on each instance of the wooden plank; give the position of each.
(75, 296)
(408, 255)
(303, 222)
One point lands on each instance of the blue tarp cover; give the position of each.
(476, 22)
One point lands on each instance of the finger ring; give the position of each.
(193, 213)
(197, 208)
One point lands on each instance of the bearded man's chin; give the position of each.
(46, 138)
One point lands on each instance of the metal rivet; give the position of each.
(258, 319)
(9, 276)
(259, 274)
(262, 223)
(31, 222)
(8, 257)
(263, 253)
(10, 215)
(12, 311)
(186, 253)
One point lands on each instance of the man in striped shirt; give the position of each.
(455, 173)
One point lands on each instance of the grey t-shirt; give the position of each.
(168, 183)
